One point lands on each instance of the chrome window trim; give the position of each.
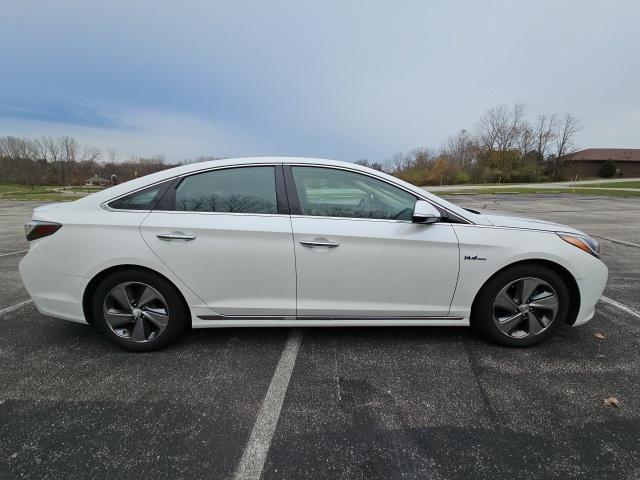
(105, 205)
(189, 212)
(361, 219)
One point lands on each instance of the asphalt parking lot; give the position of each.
(382, 403)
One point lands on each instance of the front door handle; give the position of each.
(175, 236)
(318, 243)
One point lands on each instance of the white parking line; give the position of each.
(621, 306)
(620, 242)
(13, 253)
(255, 453)
(15, 307)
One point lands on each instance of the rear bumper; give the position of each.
(591, 287)
(54, 294)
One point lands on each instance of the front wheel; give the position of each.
(139, 310)
(521, 306)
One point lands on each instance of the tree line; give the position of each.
(503, 146)
(63, 161)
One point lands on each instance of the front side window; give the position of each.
(331, 192)
(238, 190)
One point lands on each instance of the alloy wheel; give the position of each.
(525, 307)
(136, 311)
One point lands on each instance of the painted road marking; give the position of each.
(620, 242)
(15, 307)
(255, 453)
(621, 306)
(13, 253)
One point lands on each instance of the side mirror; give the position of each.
(424, 212)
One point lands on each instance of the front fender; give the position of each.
(490, 249)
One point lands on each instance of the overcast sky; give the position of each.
(334, 79)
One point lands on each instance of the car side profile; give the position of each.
(293, 241)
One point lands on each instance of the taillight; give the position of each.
(35, 229)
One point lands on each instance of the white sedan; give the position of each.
(290, 241)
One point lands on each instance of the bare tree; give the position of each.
(90, 154)
(545, 133)
(54, 153)
(422, 157)
(490, 125)
(399, 162)
(15, 148)
(40, 149)
(565, 135)
(499, 127)
(511, 127)
(500, 130)
(113, 156)
(526, 139)
(69, 152)
(462, 150)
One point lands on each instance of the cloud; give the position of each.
(334, 79)
(70, 115)
(145, 132)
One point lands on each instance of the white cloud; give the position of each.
(147, 132)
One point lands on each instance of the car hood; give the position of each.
(529, 224)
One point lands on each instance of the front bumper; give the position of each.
(591, 286)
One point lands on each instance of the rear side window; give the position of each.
(238, 190)
(140, 200)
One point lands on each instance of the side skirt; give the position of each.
(217, 321)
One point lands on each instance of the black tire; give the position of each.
(178, 316)
(482, 314)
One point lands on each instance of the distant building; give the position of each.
(97, 181)
(586, 163)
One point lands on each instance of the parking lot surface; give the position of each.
(381, 403)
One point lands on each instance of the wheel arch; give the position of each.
(95, 281)
(567, 277)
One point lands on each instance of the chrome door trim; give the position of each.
(175, 236)
(325, 317)
(314, 243)
(383, 220)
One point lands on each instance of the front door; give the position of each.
(227, 236)
(359, 255)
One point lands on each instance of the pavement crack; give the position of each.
(476, 369)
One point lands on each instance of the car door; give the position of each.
(358, 254)
(226, 233)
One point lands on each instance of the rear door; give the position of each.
(227, 234)
(359, 255)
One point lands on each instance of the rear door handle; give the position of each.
(175, 236)
(314, 243)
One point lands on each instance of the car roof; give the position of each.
(135, 184)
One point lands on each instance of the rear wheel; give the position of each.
(521, 306)
(139, 310)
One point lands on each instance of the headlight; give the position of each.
(585, 243)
